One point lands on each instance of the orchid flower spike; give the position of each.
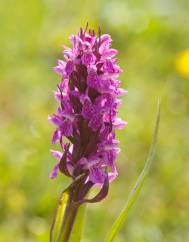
(86, 118)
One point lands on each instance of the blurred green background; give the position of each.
(153, 40)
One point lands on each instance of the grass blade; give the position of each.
(138, 185)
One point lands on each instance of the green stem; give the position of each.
(68, 221)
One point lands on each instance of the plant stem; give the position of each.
(69, 219)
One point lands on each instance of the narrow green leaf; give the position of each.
(62, 218)
(59, 217)
(77, 230)
(138, 185)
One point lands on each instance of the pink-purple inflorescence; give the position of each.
(87, 115)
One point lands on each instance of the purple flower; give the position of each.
(88, 109)
(88, 58)
(87, 114)
(69, 67)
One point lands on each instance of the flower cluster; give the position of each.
(86, 118)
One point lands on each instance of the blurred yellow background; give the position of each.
(153, 42)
